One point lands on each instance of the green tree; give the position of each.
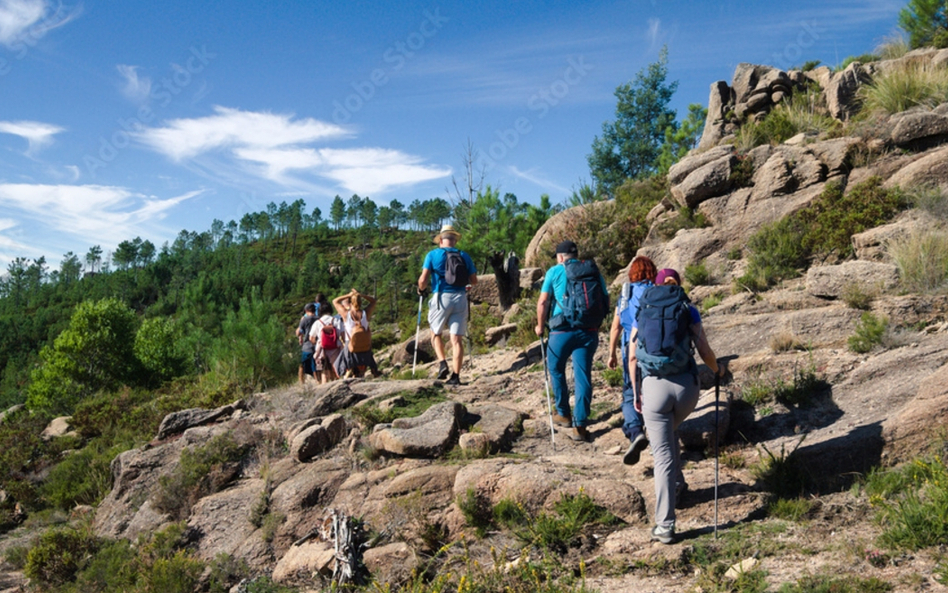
(70, 268)
(158, 346)
(337, 212)
(94, 352)
(926, 22)
(630, 146)
(679, 141)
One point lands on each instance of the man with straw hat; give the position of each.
(450, 271)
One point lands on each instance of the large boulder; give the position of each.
(868, 277)
(429, 435)
(485, 291)
(302, 561)
(559, 227)
(392, 563)
(714, 124)
(695, 160)
(911, 433)
(178, 422)
(404, 353)
(707, 181)
(318, 438)
(711, 419)
(914, 128)
(501, 425)
(841, 88)
(220, 524)
(930, 169)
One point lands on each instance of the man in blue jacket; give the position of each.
(567, 340)
(450, 271)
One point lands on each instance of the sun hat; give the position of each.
(446, 230)
(667, 273)
(567, 247)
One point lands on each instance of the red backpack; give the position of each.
(328, 337)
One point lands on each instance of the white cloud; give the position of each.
(136, 88)
(532, 177)
(29, 20)
(95, 213)
(654, 31)
(279, 148)
(36, 133)
(186, 138)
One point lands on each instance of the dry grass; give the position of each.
(905, 86)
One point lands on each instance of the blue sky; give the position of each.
(124, 119)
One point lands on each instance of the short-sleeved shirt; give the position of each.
(435, 261)
(306, 324)
(554, 283)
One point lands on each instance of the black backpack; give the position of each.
(455, 268)
(585, 304)
(664, 342)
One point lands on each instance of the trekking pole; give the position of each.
(549, 402)
(414, 363)
(470, 343)
(717, 392)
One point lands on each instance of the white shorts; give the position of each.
(451, 312)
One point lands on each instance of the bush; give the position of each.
(84, 477)
(697, 274)
(412, 404)
(58, 556)
(158, 346)
(911, 503)
(783, 474)
(553, 532)
(869, 332)
(93, 353)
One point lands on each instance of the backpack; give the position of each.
(455, 269)
(329, 337)
(629, 305)
(585, 304)
(360, 339)
(663, 345)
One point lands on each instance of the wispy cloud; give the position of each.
(135, 88)
(532, 177)
(19, 18)
(96, 214)
(36, 133)
(280, 149)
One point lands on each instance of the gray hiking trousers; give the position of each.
(666, 402)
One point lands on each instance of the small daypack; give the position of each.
(329, 337)
(360, 338)
(455, 268)
(663, 344)
(585, 304)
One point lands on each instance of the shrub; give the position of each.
(613, 377)
(685, 218)
(84, 477)
(94, 352)
(785, 342)
(742, 173)
(776, 253)
(793, 509)
(58, 556)
(862, 59)
(158, 346)
(836, 584)
(783, 474)
(922, 260)
(697, 274)
(476, 510)
(869, 332)
(549, 531)
(856, 297)
(930, 198)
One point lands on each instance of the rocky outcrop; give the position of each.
(870, 278)
(428, 435)
(559, 227)
(317, 438)
(178, 422)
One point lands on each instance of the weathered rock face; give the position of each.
(318, 438)
(178, 422)
(428, 435)
(871, 245)
(871, 278)
(559, 227)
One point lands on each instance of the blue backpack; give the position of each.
(585, 304)
(629, 305)
(663, 345)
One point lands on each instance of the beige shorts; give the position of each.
(450, 312)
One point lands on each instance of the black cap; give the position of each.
(567, 247)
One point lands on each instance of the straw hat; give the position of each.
(446, 230)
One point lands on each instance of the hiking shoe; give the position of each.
(580, 434)
(635, 449)
(454, 380)
(665, 535)
(562, 421)
(443, 371)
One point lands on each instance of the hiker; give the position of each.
(642, 274)
(326, 336)
(307, 365)
(662, 346)
(450, 271)
(357, 355)
(574, 331)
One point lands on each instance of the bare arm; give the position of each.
(704, 349)
(543, 311)
(337, 305)
(472, 279)
(423, 280)
(371, 308)
(614, 332)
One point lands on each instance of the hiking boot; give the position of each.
(454, 380)
(665, 535)
(562, 421)
(580, 434)
(635, 449)
(443, 371)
